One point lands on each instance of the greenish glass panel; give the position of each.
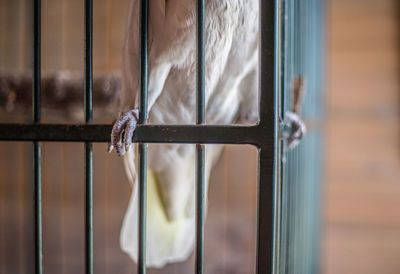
(302, 54)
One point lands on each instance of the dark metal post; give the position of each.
(268, 122)
(144, 22)
(88, 89)
(200, 109)
(36, 98)
(200, 148)
(36, 108)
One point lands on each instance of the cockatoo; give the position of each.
(231, 97)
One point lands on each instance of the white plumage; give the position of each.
(231, 71)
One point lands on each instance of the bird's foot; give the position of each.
(294, 129)
(122, 131)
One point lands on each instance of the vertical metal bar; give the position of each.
(200, 207)
(36, 98)
(144, 37)
(88, 208)
(38, 207)
(200, 148)
(142, 207)
(36, 109)
(88, 90)
(88, 61)
(144, 22)
(200, 109)
(268, 120)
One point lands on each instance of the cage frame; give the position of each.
(263, 135)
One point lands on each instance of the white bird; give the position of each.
(231, 97)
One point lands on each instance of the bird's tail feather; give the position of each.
(167, 241)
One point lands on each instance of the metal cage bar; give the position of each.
(36, 108)
(88, 98)
(269, 72)
(182, 134)
(200, 148)
(144, 28)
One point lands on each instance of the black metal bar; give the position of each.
(142, 206)
(36, 109)
(36, 98)
(200, 102)
(142, 176)
(183, 134)
(88, 98)
(200, 207)
(144, 22)
(268, 122)
(88, 79)
(37, 156)
(88, 207)
(200, 148)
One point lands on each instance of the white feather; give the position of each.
(231, 72)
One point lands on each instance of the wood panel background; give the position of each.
(362, 190)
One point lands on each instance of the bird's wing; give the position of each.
(172, 74)
(168, 21)
(168, 240)
(249, 103)
(131, 69)
(131, 53)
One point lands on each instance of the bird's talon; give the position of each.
(122, 132)
(296, 129)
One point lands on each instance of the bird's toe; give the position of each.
(122, 131)
(297, 128)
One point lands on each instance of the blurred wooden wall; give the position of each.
(62, 47)
(62, 35)
(362, 192)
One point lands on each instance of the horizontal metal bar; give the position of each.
(205, 134)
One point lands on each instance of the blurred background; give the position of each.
(361, 188)
(362, 175)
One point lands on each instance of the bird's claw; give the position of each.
(296, 129)
(122, 131)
